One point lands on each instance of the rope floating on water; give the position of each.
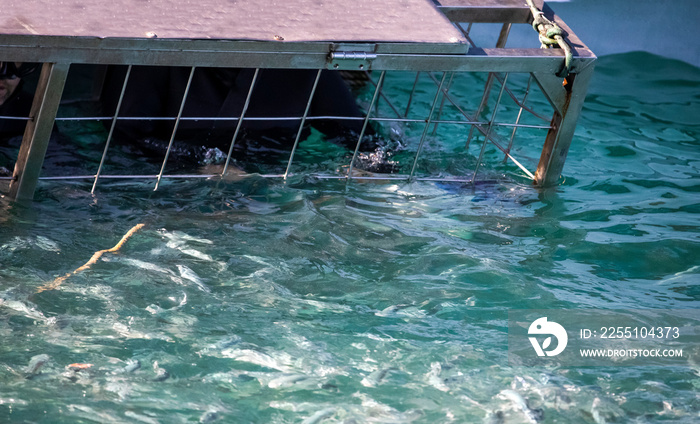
(95, 257)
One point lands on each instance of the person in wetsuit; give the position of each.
(221, 92)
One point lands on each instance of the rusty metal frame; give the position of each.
(38, 130)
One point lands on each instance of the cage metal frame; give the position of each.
(565, 96)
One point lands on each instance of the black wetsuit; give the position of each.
(219, 92)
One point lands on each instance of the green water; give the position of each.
(274, 303)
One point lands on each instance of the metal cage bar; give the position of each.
(428, 120)
(240, 121)
(38, 130)
(111, 129)
(383, 96)
(410, 97)
(490, 127)
(377, 90)
(301, 124)
(559, 137)
(177, 122)
(517, 119)
(501, 43)
(442, 103)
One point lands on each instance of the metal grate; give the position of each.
(443, 61)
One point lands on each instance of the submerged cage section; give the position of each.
(441, 77)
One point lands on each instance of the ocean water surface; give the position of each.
(254, 300)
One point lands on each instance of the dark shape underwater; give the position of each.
(221, 92)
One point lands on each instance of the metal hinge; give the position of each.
(352, 57)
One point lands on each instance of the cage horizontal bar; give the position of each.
(476, 60)
(15, 118)
(292, 118)
(385, 177)
(485, 11)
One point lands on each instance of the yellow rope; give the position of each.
(58, 281)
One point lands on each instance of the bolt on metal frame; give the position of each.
(448, 57)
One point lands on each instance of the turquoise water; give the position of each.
(256, 301)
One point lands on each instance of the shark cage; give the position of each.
(440, 75)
